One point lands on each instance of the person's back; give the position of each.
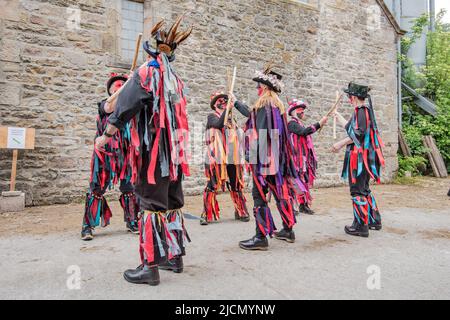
(153, 100)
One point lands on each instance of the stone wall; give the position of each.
(51, 75)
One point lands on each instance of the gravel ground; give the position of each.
(410, 259)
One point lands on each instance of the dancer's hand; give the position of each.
(323, 121)
(100, 143)
(233, 99)
(336, 147)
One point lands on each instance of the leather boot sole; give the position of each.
(151, 283)
(254, 248)
(376, 227)
(285, 239)
(357, 234)
(175, 270)
(133, 232)
(87, 238)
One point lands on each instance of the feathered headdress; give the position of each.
(166, 41)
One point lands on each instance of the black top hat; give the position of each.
(357, 90)
(271, 79)
(114, 78)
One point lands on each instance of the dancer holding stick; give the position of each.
(224, 165)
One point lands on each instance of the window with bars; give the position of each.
(132, 25)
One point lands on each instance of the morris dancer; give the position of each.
(363, 160)
(305, 158)
(269, 154)
(154, 101)
(109, 169)
(223, 163)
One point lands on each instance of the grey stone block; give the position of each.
(12, 201)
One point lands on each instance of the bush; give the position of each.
(434, 82)
(415, 165)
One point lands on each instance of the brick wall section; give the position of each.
(51, 76)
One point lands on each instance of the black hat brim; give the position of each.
(111, 81)
(267, 83)
(214, 100)
(347, 91)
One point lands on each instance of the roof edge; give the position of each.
(391, 18)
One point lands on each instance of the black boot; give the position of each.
(286, 235)
(143, 275)
(132, 227)
(304, 208)
(203, 221)
(245, 218)
(375, 220)
(242, 219)
(255, 243)
(86, 233)
(357, 230)
(377, 226)
(175, 265)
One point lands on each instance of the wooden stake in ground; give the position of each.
(435, 157)
(406, 151)
(15, 139)
(12, 186)
(133, 66)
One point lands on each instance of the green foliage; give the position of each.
(411, 164)
(434, 81)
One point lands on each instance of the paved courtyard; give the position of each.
(42, 254)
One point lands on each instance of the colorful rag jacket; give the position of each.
(110, 167)
(155, 103)
(305, 156)
(269, 151)
(366, 150)
(223, 147)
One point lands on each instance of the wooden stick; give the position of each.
(330, 112)
(14, 171)
(136, 52)
(334, 119)
(230, 92)
(133, 66)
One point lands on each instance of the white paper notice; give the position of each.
(16, 138)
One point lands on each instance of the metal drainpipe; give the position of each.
(397, 9)
(432, 6)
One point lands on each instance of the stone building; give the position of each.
(56, 55)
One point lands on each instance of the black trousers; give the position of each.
(361, 187)
(259, 201)
(165, 195)
(232, 179)
(124, 187)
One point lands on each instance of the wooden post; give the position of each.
(14, 170)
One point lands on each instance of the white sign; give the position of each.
(16, 138)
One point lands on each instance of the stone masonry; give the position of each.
(52, 74)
